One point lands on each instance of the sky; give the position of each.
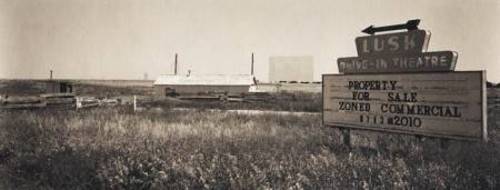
(124, 39)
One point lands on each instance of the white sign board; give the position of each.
(440, 104)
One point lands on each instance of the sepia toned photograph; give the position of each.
(249, 94)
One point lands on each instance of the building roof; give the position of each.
(229, 80)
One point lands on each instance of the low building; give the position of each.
(166, 85)
(53, 86)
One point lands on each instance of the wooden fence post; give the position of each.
(346, 137)
(78, 103)
(135, 103)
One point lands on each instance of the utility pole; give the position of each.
(175, 64)
(251, 70)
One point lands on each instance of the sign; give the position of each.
(450, 104)
(415, 41)
(410, 25)
(429, 61)
(397, 52)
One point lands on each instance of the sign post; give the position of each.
(396, 86)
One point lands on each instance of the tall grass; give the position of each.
(116, 149)
(283, 101)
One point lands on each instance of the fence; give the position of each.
(54, 100)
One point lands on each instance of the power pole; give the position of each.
(251, 70)
(175, 64)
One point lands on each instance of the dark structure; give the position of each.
(53, 86)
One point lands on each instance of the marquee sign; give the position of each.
(414, 41)
(395, 85)
(397, 52)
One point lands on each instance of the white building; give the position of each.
(192, 84)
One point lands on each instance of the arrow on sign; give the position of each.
(410, 25)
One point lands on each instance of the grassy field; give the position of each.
(113, 148)
(284, 101)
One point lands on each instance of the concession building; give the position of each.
(192, 84)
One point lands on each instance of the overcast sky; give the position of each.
(123, 39)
